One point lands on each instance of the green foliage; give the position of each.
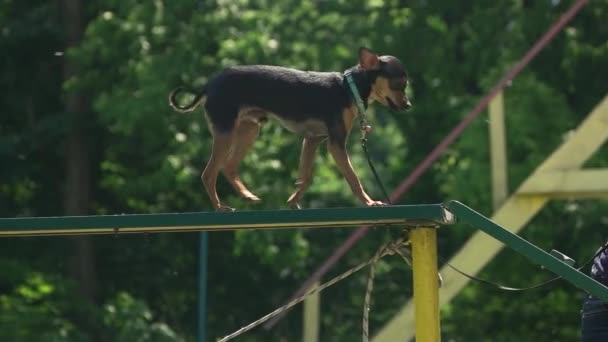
(43, 308)
(146, 158)
(34, 310)
(131, 320)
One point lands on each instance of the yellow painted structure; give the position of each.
(312, 310)
(541, 186)
(588, 183)
(426, 283)
(498, 151)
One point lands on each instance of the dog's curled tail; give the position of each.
(198, 96)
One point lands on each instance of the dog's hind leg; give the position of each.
(222, 142)
(246, 133)
(307, 158)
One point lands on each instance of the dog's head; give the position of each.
(390, 82)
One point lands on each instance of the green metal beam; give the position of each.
(431, 214)
(532, 252)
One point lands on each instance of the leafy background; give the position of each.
(85, 129)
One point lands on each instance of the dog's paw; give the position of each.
(251, 198)
(375, 203)
(293, 205)
(224, 208)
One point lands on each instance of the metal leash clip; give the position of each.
(365, 129)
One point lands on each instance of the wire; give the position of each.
(371, 166)
(388, 248)
(508, 288)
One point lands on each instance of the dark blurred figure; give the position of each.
(594, 327)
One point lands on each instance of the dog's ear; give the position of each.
(368, 59)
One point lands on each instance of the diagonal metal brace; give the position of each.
(529, 250)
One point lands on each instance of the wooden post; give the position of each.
(498, 151)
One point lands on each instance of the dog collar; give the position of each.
(355, 92)
(365, 127)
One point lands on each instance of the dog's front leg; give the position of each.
(307, 158)
(338, 152)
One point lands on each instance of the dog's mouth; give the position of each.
(407, 105)
(391, 104)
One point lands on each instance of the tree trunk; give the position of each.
(77, 196)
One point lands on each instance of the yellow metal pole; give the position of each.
(426, 284)
(498, 151)
(312, 313)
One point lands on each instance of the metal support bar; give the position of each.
(430, 214)
(426, 283)
(312, 315)
(527, 249)
(498, 151)
(202, 287)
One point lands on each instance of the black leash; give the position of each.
(371, 166)
(507, 288)
(502, 287)
(365, 129)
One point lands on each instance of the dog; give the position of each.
(316, 105)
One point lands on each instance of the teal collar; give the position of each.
(365, 128)
(355, 92)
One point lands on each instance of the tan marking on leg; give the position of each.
(348, 116)
(220, 150)
(246, 133)
(307, 158)
(339, 154)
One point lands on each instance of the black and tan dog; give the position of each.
(317, 105)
